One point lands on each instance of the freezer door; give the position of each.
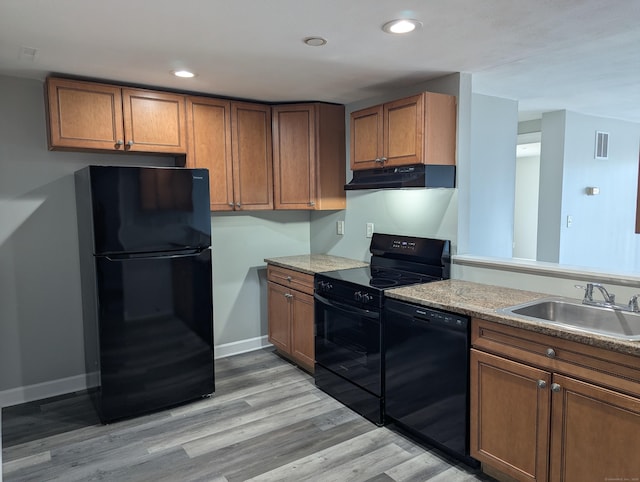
(155, 328)
(146, 209)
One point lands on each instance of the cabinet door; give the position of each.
(84, 115)
(403, 131)
(510, 414)
(595, 433)
(294, 156)
(209, 146)
(252, 156)
(366, 138)
(279, 317)
(302, 329)
(154, 121)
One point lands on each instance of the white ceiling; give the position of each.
(580, 55)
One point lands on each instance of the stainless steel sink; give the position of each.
(620, 324)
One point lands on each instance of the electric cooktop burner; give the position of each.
(379, 278)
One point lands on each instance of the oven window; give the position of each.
(348, 342)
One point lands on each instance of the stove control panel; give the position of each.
(403, 244)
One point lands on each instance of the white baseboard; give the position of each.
(29, 393)
(242, 346)
(38, 391)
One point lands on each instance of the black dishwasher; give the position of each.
(427, 375)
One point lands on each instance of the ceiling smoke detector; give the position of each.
(315, 41)
(401, 26)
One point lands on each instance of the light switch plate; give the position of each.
(369, 230)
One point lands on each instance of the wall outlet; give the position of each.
(339, 227)
(369, 230)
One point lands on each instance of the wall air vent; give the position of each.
(602, 145)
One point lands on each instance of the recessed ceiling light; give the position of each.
(183, 73)
(403, 25)
(315, 41)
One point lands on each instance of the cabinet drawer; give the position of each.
(608, 368)
(291, 278)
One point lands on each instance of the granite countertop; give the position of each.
(315, 263)
(482, 301)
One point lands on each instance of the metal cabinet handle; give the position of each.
(288, 278)
(288, 295)
(379, 160)
(383, 159)
(542, 384)
(237, 205)
(130, 143)
(231, 204)
(555, 387)
(551, 353)
(119, 142)
(312, 203)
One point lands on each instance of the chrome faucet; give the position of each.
(609, 298)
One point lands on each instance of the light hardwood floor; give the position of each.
(266, 422)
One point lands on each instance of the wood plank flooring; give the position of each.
(266, 422)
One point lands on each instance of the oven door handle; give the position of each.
(374, 315)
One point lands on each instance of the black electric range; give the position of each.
(348, 317)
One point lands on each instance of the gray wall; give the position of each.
(40, 308)
(602, 234)
(492, 171)
(41, 337)
(550, 192)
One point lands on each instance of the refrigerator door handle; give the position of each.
(163, 256)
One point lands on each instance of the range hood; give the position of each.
(419, 175)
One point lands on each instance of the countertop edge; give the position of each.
(315, 263)
(419, 294)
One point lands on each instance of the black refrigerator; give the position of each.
(145, 263)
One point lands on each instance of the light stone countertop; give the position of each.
(480, 300)
(315, 263)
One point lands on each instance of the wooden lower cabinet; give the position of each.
(510, 416)
(557, 411)
(291, 315)
(595, 433)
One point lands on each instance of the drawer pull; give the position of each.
(288, 295)
(542, 384)
(555, 387)
(551, 353)
(289, 279)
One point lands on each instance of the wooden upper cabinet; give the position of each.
(84, 115)
(92, 116)
(309, 156)
(420, 129)
(252, 156)
(209, 146)
(154, 121)
(366, 137)
(233, 141)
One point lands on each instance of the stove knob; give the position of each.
(358, 295)
(366, 298)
